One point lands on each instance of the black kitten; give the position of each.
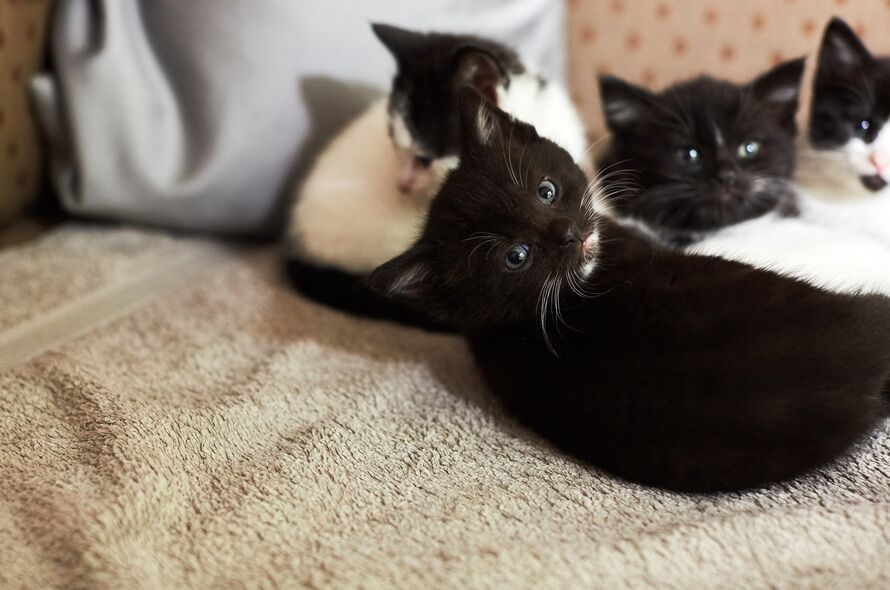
(707, 153)
(686, 372)
(851, 105)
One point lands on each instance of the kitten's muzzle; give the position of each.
(874, 182)
(728, 177)
(564, 232)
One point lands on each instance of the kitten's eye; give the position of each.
(749, 149)
(688, 155)
(862, 127)
(517, 257)
(547, 192)
(423, 161)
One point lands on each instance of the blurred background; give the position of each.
(202, 115)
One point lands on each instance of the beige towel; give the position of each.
(208, 428)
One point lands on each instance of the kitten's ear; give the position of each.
(624, 104)
(478, 69)
(780, 86)
(405, 277)
(399, 41)
(841, 49)
(480, 121)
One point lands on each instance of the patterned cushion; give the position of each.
(659, 42)
(21, 35)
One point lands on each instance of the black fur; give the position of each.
(652, 133)
(850, 86)
(686, 372)
(432, 68)
(347, 292)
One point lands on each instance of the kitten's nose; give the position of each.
(564, 231)
(880, 161)
(727, 177)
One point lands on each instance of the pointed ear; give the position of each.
(780, 86)
(405, 277)
(480, 121)
(399, 41)
(624, 104)
(841, 49)
(479, 69)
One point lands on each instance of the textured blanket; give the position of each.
(172, 416)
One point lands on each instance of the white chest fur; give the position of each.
(832, 194)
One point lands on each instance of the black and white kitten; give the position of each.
(686, 372)
(423, 118)
(705, 153)
(714, 162)
(845, 169)
(364, 202)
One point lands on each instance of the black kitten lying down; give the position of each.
(706, 153)
(685, 372)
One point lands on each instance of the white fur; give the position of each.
(547, 108)
(832, 193)
(348, 213)
(834, 259)
(484, 126)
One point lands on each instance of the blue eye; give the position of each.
(547, 192)
(863, 126)
(517, 257)
(749, 149)
(688, 155)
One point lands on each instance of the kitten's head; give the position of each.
(511, 232)
(423, 111)
(851, 105)
(708, 153)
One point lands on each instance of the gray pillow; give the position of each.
(198, 114)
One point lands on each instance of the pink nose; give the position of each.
(405, 178)
(880, 160)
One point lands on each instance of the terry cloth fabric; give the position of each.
(196, 114)
(173, 416)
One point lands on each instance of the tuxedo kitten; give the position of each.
(423, 118)
(846, 168)
(686, 372)
(706, 153)
(364, 202)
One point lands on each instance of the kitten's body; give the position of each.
(687, 372)
(844, 170)
(692, 373)
(350, 215)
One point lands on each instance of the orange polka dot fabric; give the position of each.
(658, 42)
(22, 24)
